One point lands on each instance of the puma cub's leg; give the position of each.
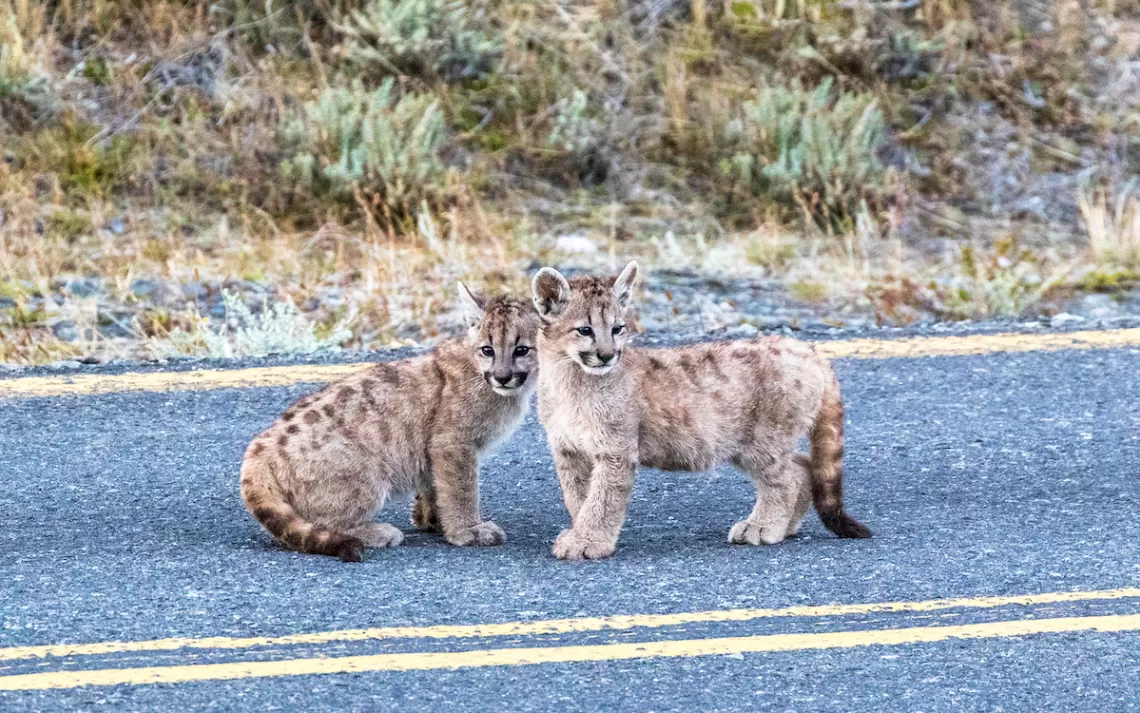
(455, 474)
(800, 473)
(599, 520)
(776, 499)
(425, 513)
(378, 534)
(573, 470)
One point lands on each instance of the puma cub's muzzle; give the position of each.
(502, 332)
(584, 318)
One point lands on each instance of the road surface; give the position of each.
(1003, 488)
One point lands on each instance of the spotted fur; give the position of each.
(608, 407)
(317, 477)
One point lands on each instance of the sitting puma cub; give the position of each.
(316, 478)
(607, 408)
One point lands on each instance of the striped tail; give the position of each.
(264, 499)
(827, 467)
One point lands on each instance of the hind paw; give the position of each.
(351, 551)
(379, 534)
(425, 516)
(746, 532)
(484, 534)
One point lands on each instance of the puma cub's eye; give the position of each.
(522, 351)
(619, 328)
(487, 351)
(585, 331)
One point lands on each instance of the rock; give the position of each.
(1064, 318)
(742, 330)
(579, 244)
(1100, 306)
(194, 291)
(144, 288)
(117, 225)
(115, 325)
(65, 330)
(85, 287)
(64, 364)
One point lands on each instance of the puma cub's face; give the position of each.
(584, 318)
(502, 333)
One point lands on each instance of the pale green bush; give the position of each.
(351, 138)
(573, 131)
(448, 39)
(23, 81)
(277, 329)
(815, 150)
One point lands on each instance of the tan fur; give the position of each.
(317, 477)
(608, 407)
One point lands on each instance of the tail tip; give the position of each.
(351, 550)
(845, 526)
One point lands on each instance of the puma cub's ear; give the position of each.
(551, 293)
(471, 306)
(623, 286)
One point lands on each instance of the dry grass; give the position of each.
(1113, 226)
(158, 152)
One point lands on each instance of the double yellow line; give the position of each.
(91, 384)
(532, 655)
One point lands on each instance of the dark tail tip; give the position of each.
(351, 549)
(843, 525)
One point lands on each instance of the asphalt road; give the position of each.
(992, 475)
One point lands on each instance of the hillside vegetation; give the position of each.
(246, 176)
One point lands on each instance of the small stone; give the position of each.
(575, 244)
(743, 330)
(194, 291)
(85, 287)
(143, 288)
(65, 330)
(115, 325)
(117, 225)
(1064, 318)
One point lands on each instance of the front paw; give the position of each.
(484, 534)
(746, 532)
(571, 546)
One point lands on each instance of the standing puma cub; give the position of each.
(316, 478)
(607, 408)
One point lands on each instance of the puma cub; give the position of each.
(608, 407)
(316, 478)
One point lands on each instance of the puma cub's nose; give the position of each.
(605, 358)
(502, 380)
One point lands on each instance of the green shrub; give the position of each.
(445, 39)
(276, 24)
(277, 329)
(23, 83)
(814, 150)
(573, 131)
(351, 139)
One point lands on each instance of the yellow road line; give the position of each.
(559, 626)
(565, 654)
(88, 384)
